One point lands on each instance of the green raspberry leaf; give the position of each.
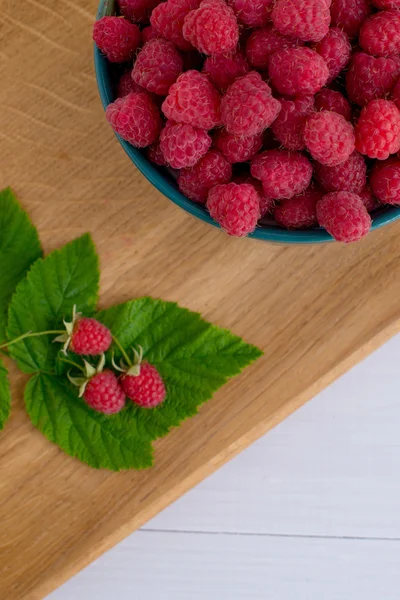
(100, 441)
(5, 395)
(19, 248)
(194, 357)
(46, 296)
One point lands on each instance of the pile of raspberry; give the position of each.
(282, 112)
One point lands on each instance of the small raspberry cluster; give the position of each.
(284, 110)
(100, 387)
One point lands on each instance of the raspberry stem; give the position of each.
(122, 350)
(74, 364)
(28, 335)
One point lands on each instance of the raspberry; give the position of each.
(328, 99)
(89, 337)
(253, 13)
(235, 207)
(344, 216)
(155, 155)
(386, 4)
(266, 203)
(298, 71)
(300, 211)
(349, 15)
(117, 38)
(264, 42)
(193, 99)
(138, 11)
(212, 28)
(307, 20)
(349, 176)
(146, 389)
(126, 85)
(149, 33)
(157, 66)
(369, 78)
(167, 19)
(329, 138)
(183, 145)
(248, 106)
(369, 200)
(395, 96)
(135, 118)
(378, 129)
(385, 181)
(283, 174)
(237, 149)
(380, 34)
(104, 394)
(223, 69)
(211, 170)
(335, 49)
(288, 127)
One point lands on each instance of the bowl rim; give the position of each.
(160, 182)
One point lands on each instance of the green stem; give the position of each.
(74, 364)
(123, 352)
(28, 335)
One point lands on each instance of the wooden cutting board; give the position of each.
(314, 310)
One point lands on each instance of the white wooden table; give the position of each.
(309, 512)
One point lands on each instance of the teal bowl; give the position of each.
(165, 183)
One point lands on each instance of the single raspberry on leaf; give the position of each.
(157, 66)
(141, 382)
(212, 28)
(138, 11)
(332, 100)
(329, 138)
(378, 129)
(335, 49)
(300, 211)
(236, 207)
(237, 149)
(167, 20)
(117, 38)
(344, 216)
(85, 335)
(306, 20)
(283, 174)
(183, 145)
(212, 169)
(248, 106)
(368, 78)
(297, 71)
(385, 181)
(253, 13)
(349, 15)
(264, 42)
(380, 34)
(289, 125)
(348, 176)
(135, 118)
(223, 69)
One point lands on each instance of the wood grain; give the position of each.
(314, 311)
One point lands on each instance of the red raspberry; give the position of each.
(235, 207)
(288, 127)
(223, 69)
(385, 181)
(369, 200)
(193, 99)
(344, 216)
(253, 13)
(386, 4)
(183, 145)
(126, 85)
(138, 11)
(283, 174)
(329, 138)
(300, 211)
(369, 78)
(307, 20)
(297, 71)
(395, 96)
(266, 203)
(146, 389)
(328, 99)
(349, 176)
(117, 38)
(167, 19)
(349, 15)
(248, 106)
(155, 155)
(378, 129)
(211, 170)
(149, 33)
(104, 393)
(90, 337)
(157, 66)
(237, 149)
(335, 49)
(380, 34)
(212, 28)
(135, 118)
(264, 42)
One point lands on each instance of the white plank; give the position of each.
(178, 566)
